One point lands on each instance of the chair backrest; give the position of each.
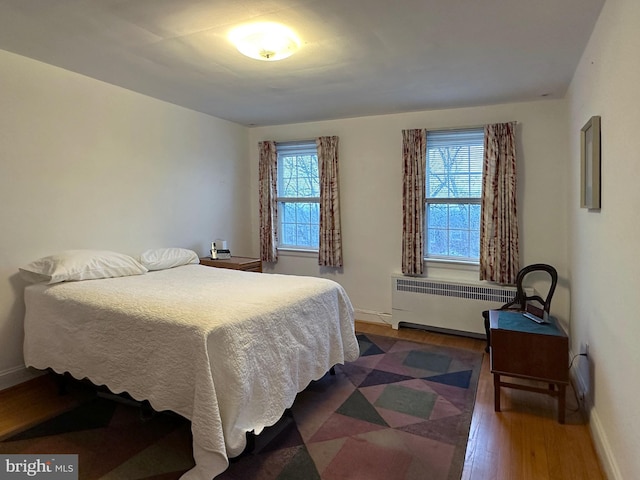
(522, 301)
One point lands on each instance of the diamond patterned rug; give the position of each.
(402, 411)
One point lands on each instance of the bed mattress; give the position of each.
(229, 350)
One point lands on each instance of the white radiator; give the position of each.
(445, 305)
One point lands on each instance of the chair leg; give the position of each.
(496, 392)
(487, 329)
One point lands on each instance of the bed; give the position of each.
(228, 350)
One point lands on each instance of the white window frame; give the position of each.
(448, 201)
(292, 148)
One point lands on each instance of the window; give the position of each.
(298, 195)
(454, 188)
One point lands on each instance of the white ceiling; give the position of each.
(359, 57)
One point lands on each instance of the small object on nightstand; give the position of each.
(219, 250)
(536, 319)
(223, 254)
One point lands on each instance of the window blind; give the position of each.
(455, 138)
(306, 147)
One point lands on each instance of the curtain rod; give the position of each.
(468, 127)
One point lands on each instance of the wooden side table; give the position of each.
(246, 264)
(522, 348)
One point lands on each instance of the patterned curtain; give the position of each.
(414, 143)
(330, 254)
(499, 249)
(268, 181)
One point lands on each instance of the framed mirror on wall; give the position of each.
(590, 164)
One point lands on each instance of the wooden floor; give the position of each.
(29, 403)
(523, 442)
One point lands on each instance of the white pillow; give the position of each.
(81, 265)
(162, 258)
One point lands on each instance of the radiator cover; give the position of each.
(445, 305)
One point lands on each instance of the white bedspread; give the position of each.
(228, 350)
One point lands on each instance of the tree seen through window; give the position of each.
(454, 188)
(298, 196)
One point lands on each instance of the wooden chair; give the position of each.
(522, 302)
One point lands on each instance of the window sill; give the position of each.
(297, 252)
(452, 264)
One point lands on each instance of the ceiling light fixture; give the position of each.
(265, 41)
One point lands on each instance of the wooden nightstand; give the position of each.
(246, 264)
(521, 348)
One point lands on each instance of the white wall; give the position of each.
(604, 266)
(84, 164)
(371, 195)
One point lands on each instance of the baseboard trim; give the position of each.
(603, 447)
(600, 440)
(370, 316)
(16, 375)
